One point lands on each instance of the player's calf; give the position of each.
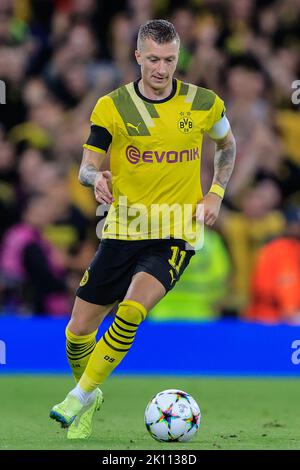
(113, 346)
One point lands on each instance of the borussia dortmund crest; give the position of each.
(185, 123)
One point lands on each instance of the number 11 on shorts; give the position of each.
(177, 258)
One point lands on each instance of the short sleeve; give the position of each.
(101, 133)
(216, 112)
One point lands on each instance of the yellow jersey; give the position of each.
(155, 158)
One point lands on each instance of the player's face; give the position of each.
(158, 63)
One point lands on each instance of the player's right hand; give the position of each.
(103, 187)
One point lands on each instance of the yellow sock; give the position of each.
(79, 350)
(114, 344)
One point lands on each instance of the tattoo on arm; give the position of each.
(87, 174)
(224, 161)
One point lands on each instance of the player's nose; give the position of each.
(161, 68)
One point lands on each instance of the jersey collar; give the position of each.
(173, 92)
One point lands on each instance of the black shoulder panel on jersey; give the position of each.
(99, 137)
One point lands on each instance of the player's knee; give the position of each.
(78, 329)
(132, 312)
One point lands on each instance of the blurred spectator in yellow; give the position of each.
(265, 158)
(206, 65)
(13, 30)
(184, 22)
(246, 105)
(246, 231)
(70, 230)
(288, 121)
(275, 289)
(202, 290)
(45, 114)
(275, 164)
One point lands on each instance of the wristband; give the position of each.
(216, 189)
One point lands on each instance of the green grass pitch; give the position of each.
(236, 413)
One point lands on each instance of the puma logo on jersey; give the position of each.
(172, 276)
(136, 128)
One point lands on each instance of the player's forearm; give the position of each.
(87, 174)
(224, 160)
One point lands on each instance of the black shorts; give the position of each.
(116, 261)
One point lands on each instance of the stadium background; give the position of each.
(236, 309)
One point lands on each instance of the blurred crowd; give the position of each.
(58, 57)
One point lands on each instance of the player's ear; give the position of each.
(138, 56)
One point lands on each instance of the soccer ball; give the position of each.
(172, 415)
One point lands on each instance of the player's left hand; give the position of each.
(212, 204)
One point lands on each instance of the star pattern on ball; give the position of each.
(167, 415)
(193, 421)
(181, 395)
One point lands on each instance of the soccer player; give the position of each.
(154, 129)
